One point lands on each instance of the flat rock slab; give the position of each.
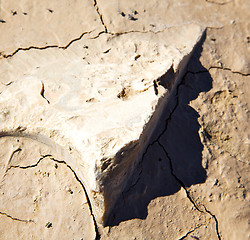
(95, 102)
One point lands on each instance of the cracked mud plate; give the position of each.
(96, 102)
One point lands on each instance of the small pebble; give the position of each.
(48, 225)
(14, 13)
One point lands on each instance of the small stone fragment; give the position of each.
(137, 56)
(13, 12)
(121, 13)
(48, 225)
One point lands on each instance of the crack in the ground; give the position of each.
(100, 15)
(177, 179)
(229, 69)
(99, 34)
(218, 3)
(45, 47)
(220, 68)
(86, 194)
(16, 219)
(137, 31)
(28, 166)
(187, 192)
(117, 34)
(190, 231)
(216, 222)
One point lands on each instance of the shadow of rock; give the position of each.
(178, 133)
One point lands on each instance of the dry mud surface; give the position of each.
(192, 181)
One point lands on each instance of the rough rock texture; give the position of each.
(192, 179)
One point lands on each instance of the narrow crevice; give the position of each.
(45, 47)
(86, 194)
(191, 231)
(100, 16)
(216, 222)
(42, 93)
(29, 48)
(228, 69)
(29, 166)
(15, 219)
(76, 39)
(99, 34)
(137, 31)
(220, 68)
(218, 3)
(177, 179)
(117, 34)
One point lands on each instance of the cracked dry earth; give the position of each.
(192, 181)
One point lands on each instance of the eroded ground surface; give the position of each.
(41, 197)
(192, 182)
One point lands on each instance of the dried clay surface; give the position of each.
(95, 100)
(135, 111)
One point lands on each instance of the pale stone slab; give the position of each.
(97, 102)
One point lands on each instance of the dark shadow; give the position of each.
(180, 139)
